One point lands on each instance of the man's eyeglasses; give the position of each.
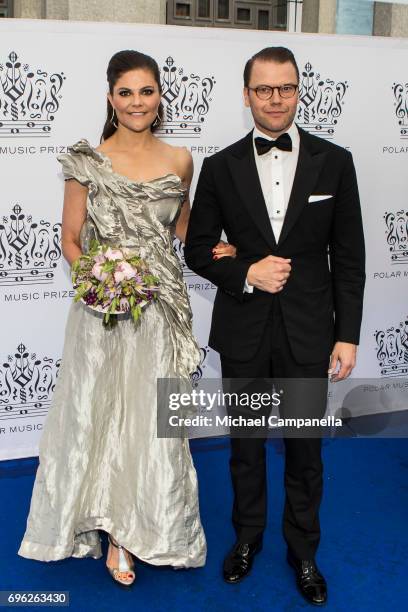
(265, 92)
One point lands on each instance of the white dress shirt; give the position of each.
(276, 171)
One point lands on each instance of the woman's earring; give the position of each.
(156, 122)
(112, 119)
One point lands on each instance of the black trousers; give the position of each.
(303, 464)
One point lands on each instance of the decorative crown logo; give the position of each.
(320, 102)
(29, 252)
(397, 236)
(26, 384)
(179, 250)
(392, 350)
(400, 92)
(198, 374)
(28, 100)
(186, 101)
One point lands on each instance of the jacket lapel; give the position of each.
(307, 172)
(241, 161)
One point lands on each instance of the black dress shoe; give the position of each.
(310, 581)
(238, 562)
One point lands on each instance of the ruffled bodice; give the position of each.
(140, 216)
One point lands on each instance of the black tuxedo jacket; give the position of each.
(322, 300)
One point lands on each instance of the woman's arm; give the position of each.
(73, 218)
(222, 249)
(186, 169)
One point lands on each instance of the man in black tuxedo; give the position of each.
(290, 303)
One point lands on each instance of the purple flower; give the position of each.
(90, 298)
(124, 304)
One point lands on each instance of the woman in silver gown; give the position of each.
(102, 466)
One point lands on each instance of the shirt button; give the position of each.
(277, 182)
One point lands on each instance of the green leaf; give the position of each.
(134, 261)
(94, 245)
(82, 290)
(109, 266)
(114, 305)
(99, 294)
(150, 279)
(136, 312)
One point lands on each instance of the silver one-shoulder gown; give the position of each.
(102, 466)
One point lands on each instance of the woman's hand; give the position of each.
(223, 249)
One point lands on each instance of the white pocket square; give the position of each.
(318, 198)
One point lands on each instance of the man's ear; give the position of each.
(246, 97)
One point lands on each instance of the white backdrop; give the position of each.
(354, 90)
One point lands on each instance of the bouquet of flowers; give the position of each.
(113, 281)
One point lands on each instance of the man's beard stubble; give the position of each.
(278, 130)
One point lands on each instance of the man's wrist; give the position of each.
(250, 276)
(355, 344)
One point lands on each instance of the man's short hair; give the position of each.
(280, 55)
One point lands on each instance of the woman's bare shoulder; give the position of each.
(104, 147)
(180, 159)
(181, 152)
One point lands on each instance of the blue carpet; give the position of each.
(363, 552)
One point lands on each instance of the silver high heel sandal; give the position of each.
(123, 574)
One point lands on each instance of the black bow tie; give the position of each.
(284, 142)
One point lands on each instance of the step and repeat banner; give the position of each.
(353, 91)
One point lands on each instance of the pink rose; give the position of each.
(99, 259)
(124, 271)
(113, 254)
(98, 273)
